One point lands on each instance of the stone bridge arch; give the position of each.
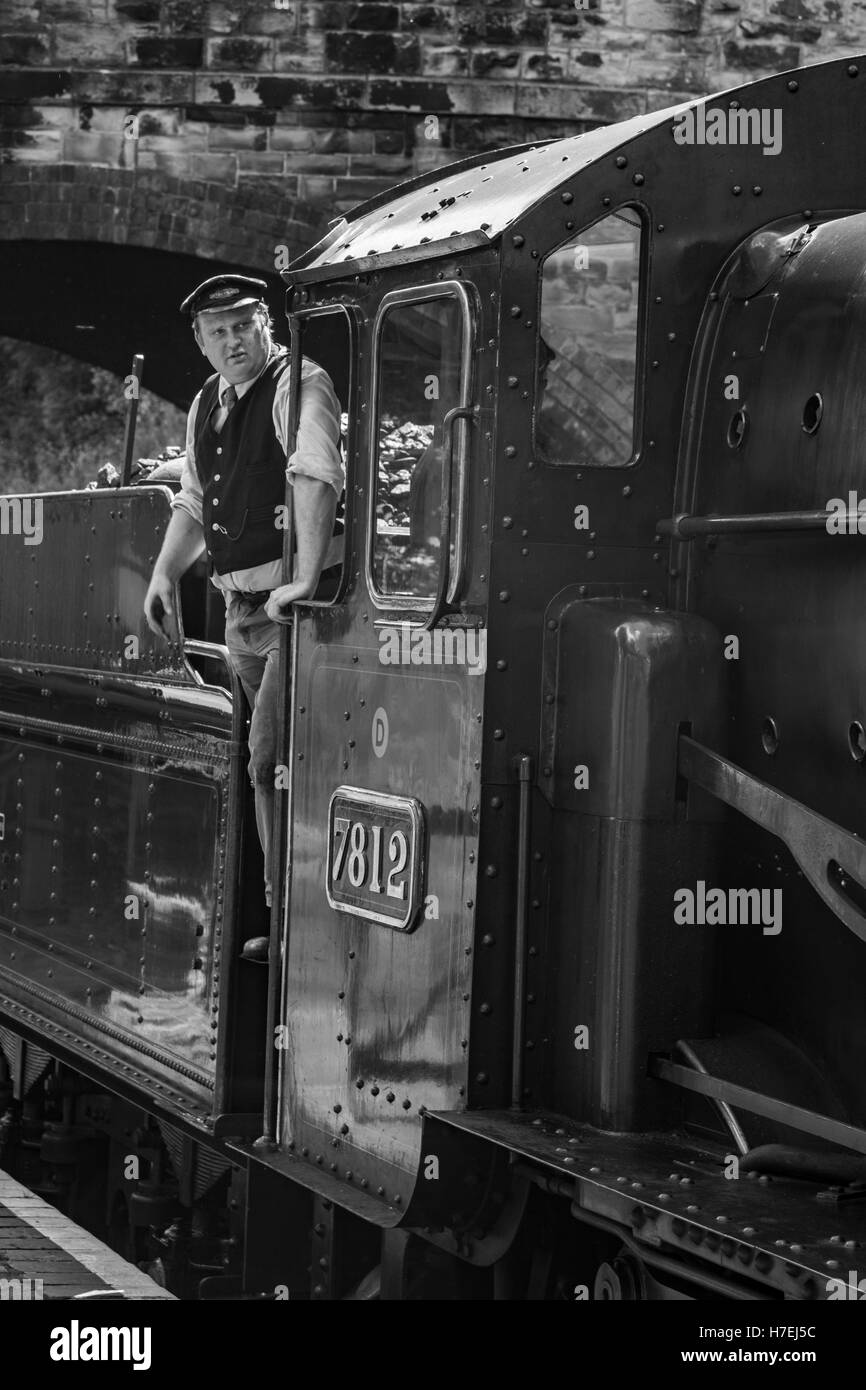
(97, 259)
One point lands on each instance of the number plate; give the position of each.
(375, 856)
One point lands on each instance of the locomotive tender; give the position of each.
(599, 394)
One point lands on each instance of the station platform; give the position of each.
(44, 1255)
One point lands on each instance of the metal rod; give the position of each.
(684, 527)
(447, 580)
(223, 1099)
(741, 1098)
(723, 1108)
(131, 418)
(520, 929)
(278, 950)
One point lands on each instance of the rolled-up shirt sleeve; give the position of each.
(189, 499)
(317, 451)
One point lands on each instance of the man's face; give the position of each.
(236, 342)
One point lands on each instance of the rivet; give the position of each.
(567, 197)
(637, 179)
(621, 161)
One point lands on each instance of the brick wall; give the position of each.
(258, 120)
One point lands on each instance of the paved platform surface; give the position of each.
(44, 1255)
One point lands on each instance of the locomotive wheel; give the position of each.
(620, 1281)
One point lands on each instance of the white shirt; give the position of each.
(317, 455)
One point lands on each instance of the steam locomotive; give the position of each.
(566, 989)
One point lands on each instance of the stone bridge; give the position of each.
(147, 143)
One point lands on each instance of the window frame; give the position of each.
(419, 294)
(297, 323)
(538, 453)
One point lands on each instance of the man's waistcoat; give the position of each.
(243, 474)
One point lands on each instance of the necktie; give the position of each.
(228, 400)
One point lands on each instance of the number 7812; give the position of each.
(359, 850)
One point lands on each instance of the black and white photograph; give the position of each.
(432, 674)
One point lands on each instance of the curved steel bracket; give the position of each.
(828, 855)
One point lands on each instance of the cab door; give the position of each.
(386, 753)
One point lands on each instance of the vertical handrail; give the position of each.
(231, 883)
(448, 580)
(278, 948)
(131, 418)
(521, 923)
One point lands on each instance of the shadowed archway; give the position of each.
(96, 262)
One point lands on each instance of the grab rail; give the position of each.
(685, 527)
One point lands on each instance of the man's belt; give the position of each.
(255, 598)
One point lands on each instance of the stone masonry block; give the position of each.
(91, 45)
(25, 50)
(441, 60)
(681, 16)
(240, 54)
(166, 52)
(305, 54)
(238, 138)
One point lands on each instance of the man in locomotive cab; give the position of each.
(231, 502)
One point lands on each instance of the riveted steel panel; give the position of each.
(118, 778)
(376, 1018)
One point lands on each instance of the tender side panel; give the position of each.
(74, 569)
(110, 914)
(115, 797)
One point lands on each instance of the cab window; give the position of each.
(587, 350)
(420, 368)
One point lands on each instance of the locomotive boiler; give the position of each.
(565, 997)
